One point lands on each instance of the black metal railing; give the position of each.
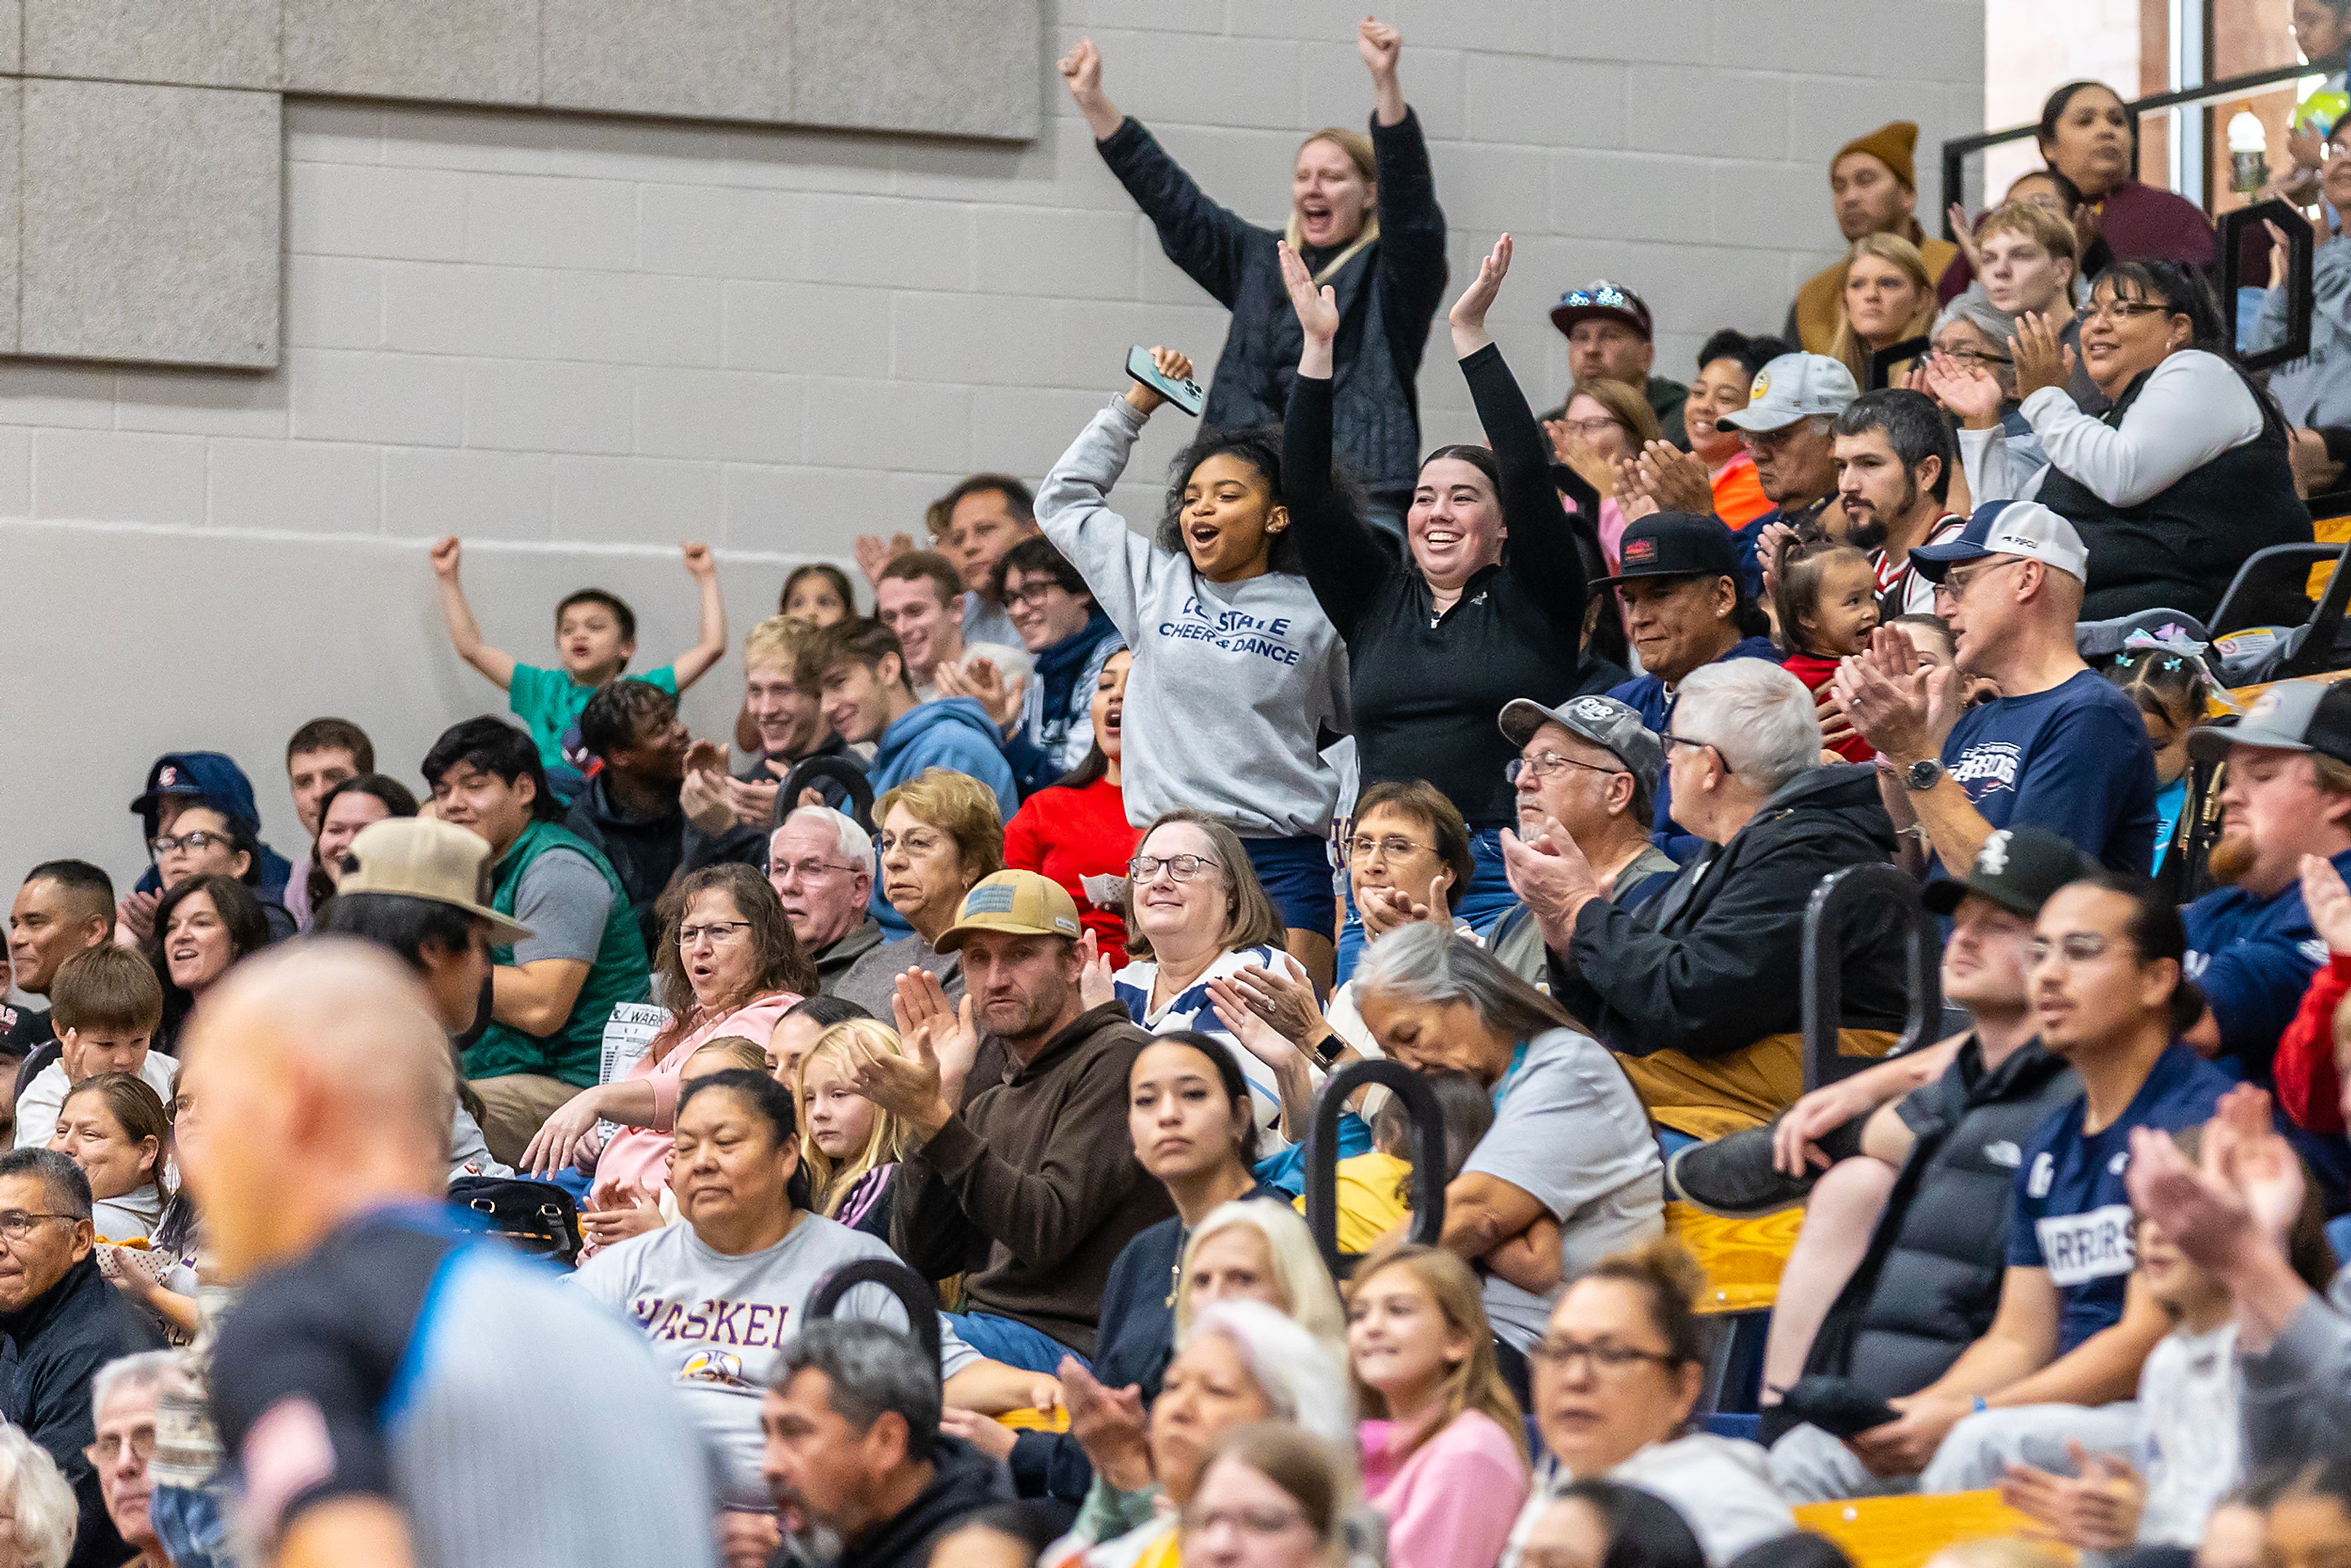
(1824, 966)
(912, 1289)
(1322, 1156)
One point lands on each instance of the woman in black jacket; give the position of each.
(1439, 643)
(1364, 214)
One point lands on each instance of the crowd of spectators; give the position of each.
(921, 1091)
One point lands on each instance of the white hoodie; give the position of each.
(1721, 1488)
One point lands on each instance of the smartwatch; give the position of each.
(1922, 775)
(1326, 1051)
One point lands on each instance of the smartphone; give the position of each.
(1186, 394)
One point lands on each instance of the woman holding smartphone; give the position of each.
(1364, 216)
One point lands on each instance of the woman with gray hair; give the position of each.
(1569, 1170)
(38, 1532)
(1695, 990)
(1241, 1361)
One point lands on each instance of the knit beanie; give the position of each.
(1892, 145)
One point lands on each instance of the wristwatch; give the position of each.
(1326, 1050)
(1922, 775)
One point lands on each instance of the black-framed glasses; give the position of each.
(1032, 593)
(716, 930)
(1183, 868)
(197, 839)
(1672, 740)
(17, 1224)
(1979, 356)
(1546, 764)
(1605, 1357)
(2124, 310)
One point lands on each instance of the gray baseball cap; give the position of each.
(2292, 716)
(1791, 388)
(1604, 721)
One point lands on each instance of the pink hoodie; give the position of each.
(1450, 1503)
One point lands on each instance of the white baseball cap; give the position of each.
(1793, 387)
(2025, 528)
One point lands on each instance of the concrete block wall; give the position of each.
(577, 341)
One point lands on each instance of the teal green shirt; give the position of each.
(574, 1051)
(548, 701)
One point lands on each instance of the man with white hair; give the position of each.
(388, 1388)
(820, 864)
(1695, 990)
(123, 1397)
(2061, 747)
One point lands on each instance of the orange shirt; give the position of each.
(1739, 496)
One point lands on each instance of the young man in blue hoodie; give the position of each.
(859, 673)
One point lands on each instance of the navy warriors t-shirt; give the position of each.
(2073, 759)
(2073, 1216)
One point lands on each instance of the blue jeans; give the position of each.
(1483, 903)
(191, 1525)
(1013, 1342)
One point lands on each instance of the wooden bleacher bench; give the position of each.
(1741, 1258)
(1905, 1532)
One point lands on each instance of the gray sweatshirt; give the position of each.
(1231, 682)
(2298, 1392)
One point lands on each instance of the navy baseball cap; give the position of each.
(2025, 528)
(1674, 544)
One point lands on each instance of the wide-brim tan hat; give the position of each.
(415, 857)
(1019, 902)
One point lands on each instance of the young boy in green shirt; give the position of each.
(595, 638)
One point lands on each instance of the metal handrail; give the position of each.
(1322, 1156)
(841, 770)
(1824, 968)
(1957, 149)
(912, 1289)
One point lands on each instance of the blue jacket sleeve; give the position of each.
(1050, 1464)
(2255, 987)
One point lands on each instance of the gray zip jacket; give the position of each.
(1231, 684)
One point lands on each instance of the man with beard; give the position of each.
(1788, 424)
(2059, 748)
(1021, 1175)
(1894, 458)
(2250, 945)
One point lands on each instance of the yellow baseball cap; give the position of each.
(416, 857)
(1019, 902)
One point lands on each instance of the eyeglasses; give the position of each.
(2074, 947)
(1955, 584)
(913, 843)
(1183, 868)
(199, 840)
(1546, 764)
(1033, 593)
(109, 1445)
(17, 1224)
(1263, 1522)
(805, 871)
(1393, 847)
(1588, 428)
(717, 931)
(1981, 356)
(1672, 739)
(1605, 1357)
(2123, 310)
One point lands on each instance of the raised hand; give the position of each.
(874, 554)
(1169, 362)
(1108, 1425)
(2041, 361)
(1318, 310)
(703, 799)
(907, 1082)
(1256, 1036)
(1082, 72)
(753, 801)
(981, 681)
(1963, 234)
(1889, 698)
(1968, 390)
(1552, 877)
(1379, 43)
(1094, 984)
(700, 564)
(1467, 316)
(444, 556)
(1774, 539)
(1283, 1000)
(2328, 901)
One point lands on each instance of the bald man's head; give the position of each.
(317, 1083)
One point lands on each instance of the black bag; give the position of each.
(535, 1217)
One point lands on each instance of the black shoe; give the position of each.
(1734, 1176)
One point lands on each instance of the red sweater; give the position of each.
(1069, 833)
(1814, 672)
(2304, 1068)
